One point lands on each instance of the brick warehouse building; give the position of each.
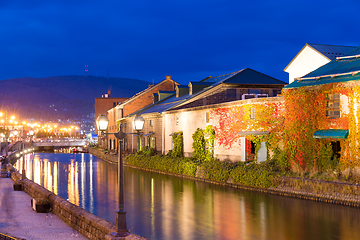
(104, 103)
(135, 103)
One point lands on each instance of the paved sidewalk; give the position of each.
(18, 219)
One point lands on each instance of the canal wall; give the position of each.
(323, 191)
(109, 157)
(83, 221)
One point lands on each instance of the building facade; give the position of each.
(312, 56)
(117, 115)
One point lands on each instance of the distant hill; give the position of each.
(62, 97)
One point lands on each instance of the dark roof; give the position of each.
(201, 83)
(245, 76)
(332, 51)
(343, 69)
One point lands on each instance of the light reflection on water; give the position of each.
(164, 207)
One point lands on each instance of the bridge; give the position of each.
(61, 143)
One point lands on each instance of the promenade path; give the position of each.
(19, 220)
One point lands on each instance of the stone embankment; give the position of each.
(311, 189)
(84, 222)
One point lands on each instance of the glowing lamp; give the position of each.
(102, 123)
(138, 123)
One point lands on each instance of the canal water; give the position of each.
(164, 207)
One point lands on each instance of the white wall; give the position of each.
(188, 122)
(307, 61)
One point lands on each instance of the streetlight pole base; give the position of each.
(119, 235)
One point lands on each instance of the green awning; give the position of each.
(332, 133)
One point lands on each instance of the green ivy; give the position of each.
(203, 144)
(199, 145)
(210, 137)
(178, 150)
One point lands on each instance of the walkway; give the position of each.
(18, 219)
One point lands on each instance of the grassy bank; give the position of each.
(247, 174)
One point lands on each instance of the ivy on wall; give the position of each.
(178, 149)
(203, 144)
(305, 110)
(269, 116)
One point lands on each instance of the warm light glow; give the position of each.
(12, 117)
(138, 123)
(23, 122)
(1, 114)
(102, 122)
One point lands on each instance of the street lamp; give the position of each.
(138, 124)
(102, 124)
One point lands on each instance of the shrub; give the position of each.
(253, 174)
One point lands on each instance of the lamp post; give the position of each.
(102, 124)
(138, 124)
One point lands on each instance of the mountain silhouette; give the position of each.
(62, 97)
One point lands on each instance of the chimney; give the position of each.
(109, 92)
(168, 77)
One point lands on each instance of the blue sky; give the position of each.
(146, 40)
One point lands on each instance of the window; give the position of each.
(333, 105)
(252, 113)
(231, 93)
(151, 123)
(207, 117)
(177, 119)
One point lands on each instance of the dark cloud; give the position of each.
(147, 40)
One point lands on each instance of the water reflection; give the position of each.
(164, 207)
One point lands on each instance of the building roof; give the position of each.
(331, 52)
(139, 94)
(343, 69)
(244, 76)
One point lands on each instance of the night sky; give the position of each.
(146, 40)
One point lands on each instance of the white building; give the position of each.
(312, 56)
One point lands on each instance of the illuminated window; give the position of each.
(333, 105)
(207, 117)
